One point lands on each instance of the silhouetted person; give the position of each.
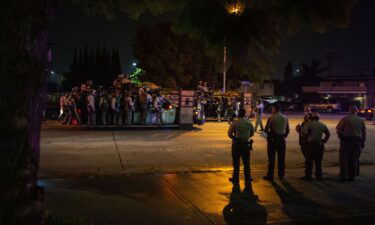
(352, 133)
(277, 130)
(313, 133)
(302, 139)
(240, 131)
(260, 109)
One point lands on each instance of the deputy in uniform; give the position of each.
(277, 130)
(313, 133)
(299, 127)
(240, 131)
(352, 133)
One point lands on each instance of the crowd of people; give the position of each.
(214, 106)
(313, 135)
(122, 104)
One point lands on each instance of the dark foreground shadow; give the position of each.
(300, 210)
(244, 208)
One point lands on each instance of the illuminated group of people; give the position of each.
(313, 135)
(122, 104)
(219, 107)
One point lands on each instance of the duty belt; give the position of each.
(241, 140)
(351, 139)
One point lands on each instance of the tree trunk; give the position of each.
(23, 77)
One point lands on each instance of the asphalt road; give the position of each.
(181, 177)
(69, 151)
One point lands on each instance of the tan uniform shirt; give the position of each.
(352, 126)
(314, 131)
(277, 124)
(242, 129)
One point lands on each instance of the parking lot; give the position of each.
(70, 151)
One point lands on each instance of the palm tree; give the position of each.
(310, 73)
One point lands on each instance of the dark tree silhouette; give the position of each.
(169, 59)
(100, 66)
(289, 84)
(310, 72)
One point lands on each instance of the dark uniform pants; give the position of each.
(241, 150)
(276, 145)
(349, 154)
(314, 155)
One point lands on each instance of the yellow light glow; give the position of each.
(235, 8)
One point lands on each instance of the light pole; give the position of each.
(225, 68)
(236, 8)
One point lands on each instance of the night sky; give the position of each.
(355, 46)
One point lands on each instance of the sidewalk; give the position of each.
(208, 198)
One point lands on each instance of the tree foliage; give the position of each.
(169, 59)
(133, 8)
(253, 37)
(310, 72)
(100, 66)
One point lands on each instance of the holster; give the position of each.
(248, 143)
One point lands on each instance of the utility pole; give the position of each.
(225, 68)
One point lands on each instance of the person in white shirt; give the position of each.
(260, 109)
(158, 110)
(63, 107)
(129, 107)
(91, 117)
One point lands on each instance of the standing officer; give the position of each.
(240, 131)
(313, 133)
(352, 133)
(277, 130)
(260, 109)
(299, 127)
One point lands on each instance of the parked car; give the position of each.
(268, 99)
(325, 105)
(368, 114)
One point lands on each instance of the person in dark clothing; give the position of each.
(277, 130)
(313, 134)
(240, 131)
(351, 131)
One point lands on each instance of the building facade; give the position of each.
(258, 89)
(347, 90)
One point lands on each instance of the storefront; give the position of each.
(346, 91)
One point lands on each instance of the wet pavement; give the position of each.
(208, 198)
(140, 177)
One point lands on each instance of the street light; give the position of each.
(134, 64)
(234, 7)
